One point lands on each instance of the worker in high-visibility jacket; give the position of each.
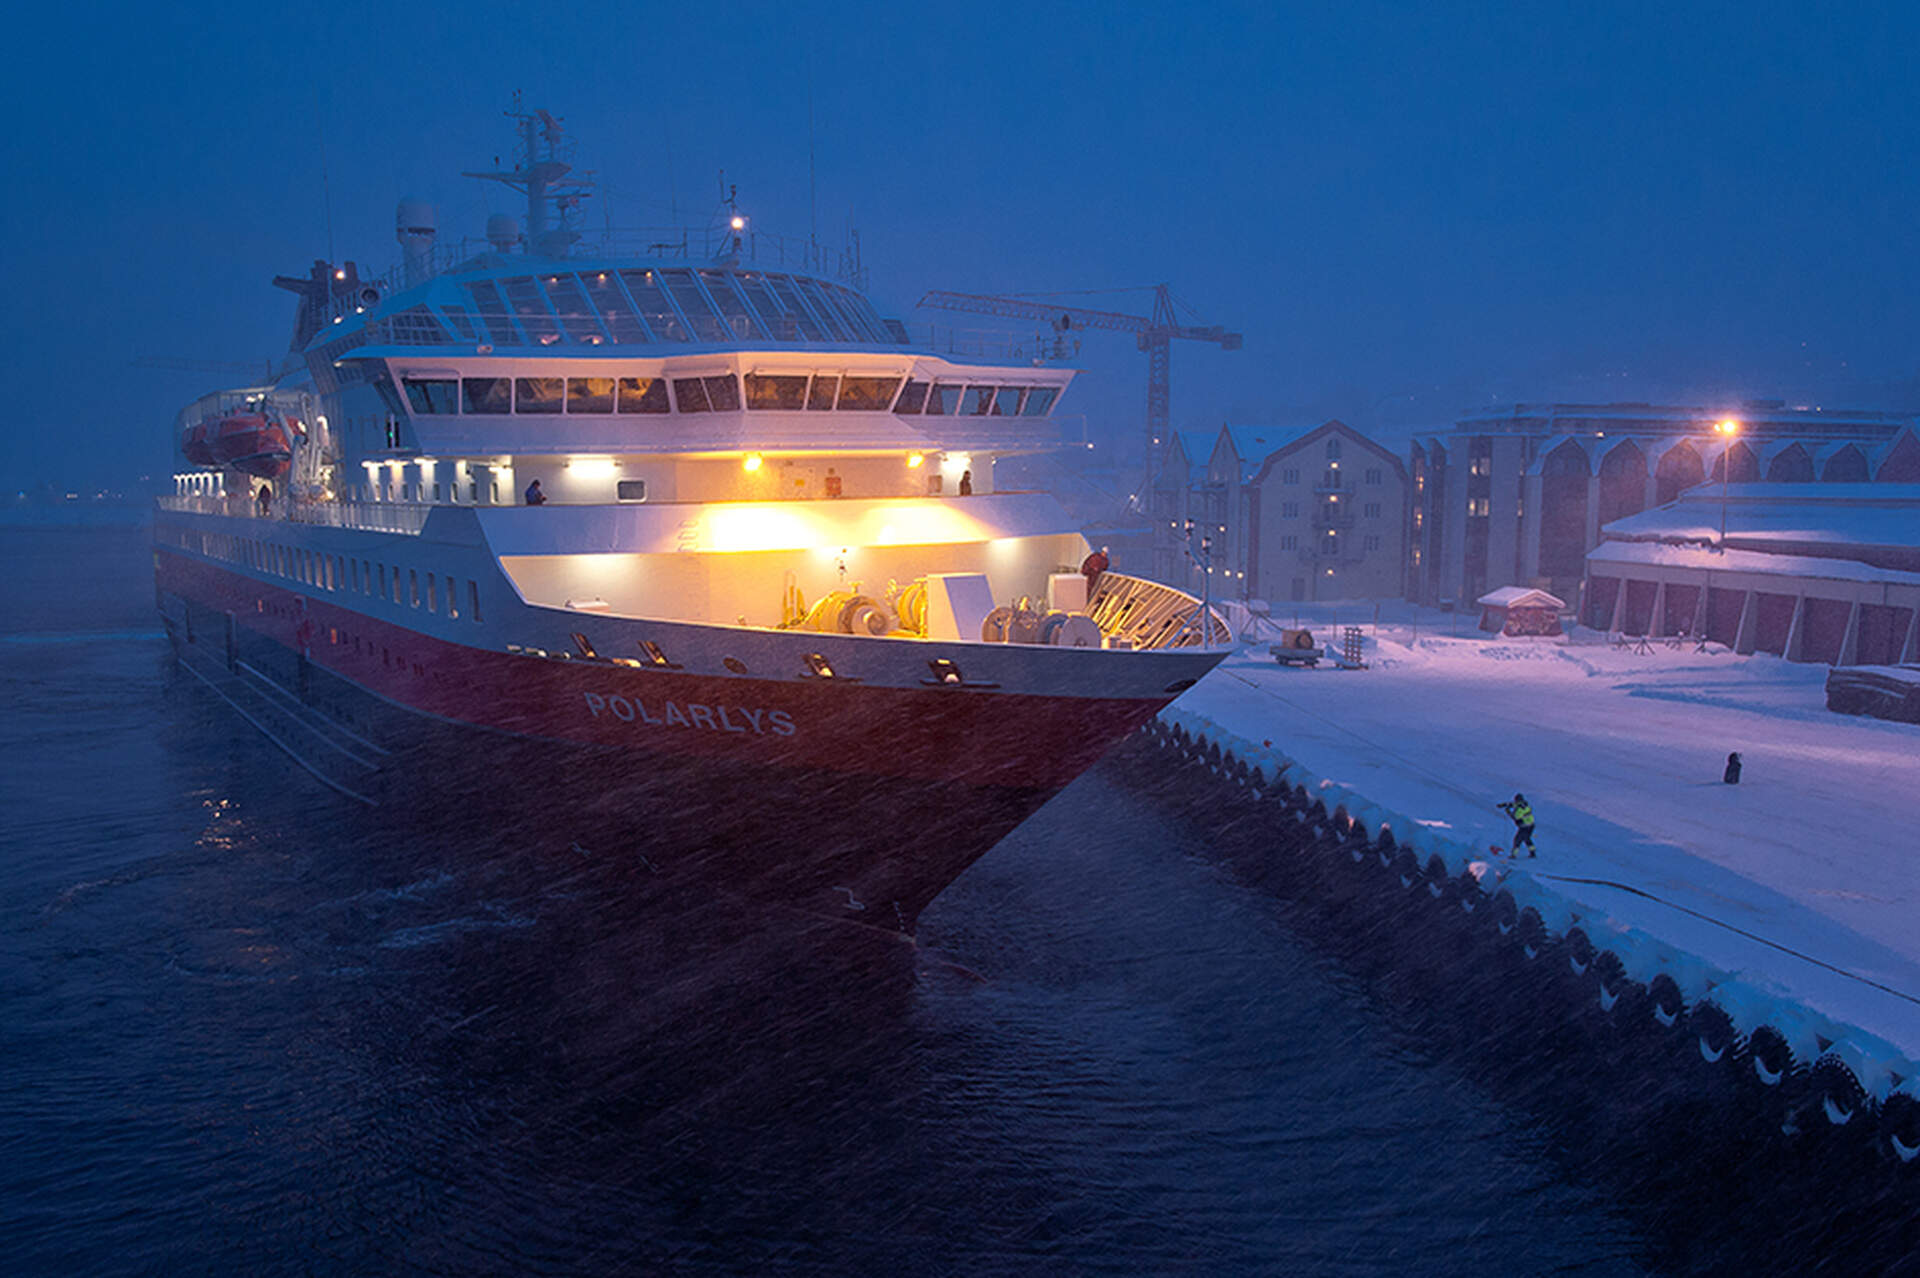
(1521, 813)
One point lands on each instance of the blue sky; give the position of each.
(1410, 210)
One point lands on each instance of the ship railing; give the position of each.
(407, 518)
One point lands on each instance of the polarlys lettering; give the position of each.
(692, 715)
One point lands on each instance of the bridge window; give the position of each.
(775, 392)
(432, 395)
(530, 306)
(944, 399)
(643, 395)
(539, 394)
(1006, 402)
(867, 394)
(589, 394)
(820, 398)
(707, 326)
(1040, 401)
(733, 308)
(612, 308)
(913, 398)
(492, 310)
(655, 308)
(837, 330)
(978, 401)
(723, 392)
(783, 288)
(576, 316)
(487, 395)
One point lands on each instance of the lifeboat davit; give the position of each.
(196, 442)
(254, 443)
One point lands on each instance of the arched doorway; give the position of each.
(1563, 512)
(1848, 465)
(1623, 482)
(1679, 468)
(1791, 465)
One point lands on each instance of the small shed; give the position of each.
(1517, 610)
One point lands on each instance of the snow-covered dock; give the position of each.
(1785, 901)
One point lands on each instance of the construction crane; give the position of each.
(1154, 333)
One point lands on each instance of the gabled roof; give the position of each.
(1519, 597)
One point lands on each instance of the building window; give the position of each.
(1330, 544)
(1373, 474)
(1373, 510)
(1290, 542)
(1372, 542)
(1289, 510)
(1479, 506)
(1290, 475)
(1481, 466)
(1333, 449)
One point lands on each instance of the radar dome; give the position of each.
(503, 231)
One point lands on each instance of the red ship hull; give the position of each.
(826, 794)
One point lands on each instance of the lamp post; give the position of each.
(1727, 429)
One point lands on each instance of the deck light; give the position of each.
(914, 460)
(751, 462)
(739, 223)
(818, 665)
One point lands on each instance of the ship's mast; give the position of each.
(543, 177)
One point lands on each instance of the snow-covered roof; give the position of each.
(1519, 597)
(1828, 514)
(1754, 561)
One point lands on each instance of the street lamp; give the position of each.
(1727, 429)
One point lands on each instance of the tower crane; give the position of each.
(1154, 333)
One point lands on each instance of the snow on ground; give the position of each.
(1794, 892)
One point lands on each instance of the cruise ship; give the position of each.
(679, 552)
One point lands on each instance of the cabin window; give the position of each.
(643, 395)
(630, 490)
(432, 395)
(944, 399)
(433, 594)
(1006, 402)
(413, 586)
(978, 402)
(690, 395)
(487, 395)
(473, 599)
(775, 392)
(820, 398)
(589, 394)
(539, 394)
(1040, 401)
(723, 393)
(867, 394)
(913, 398)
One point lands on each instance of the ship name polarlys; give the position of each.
(672, 715)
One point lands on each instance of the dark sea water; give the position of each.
(249, 1028)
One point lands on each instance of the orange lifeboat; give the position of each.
(196, 442)
(254, 443)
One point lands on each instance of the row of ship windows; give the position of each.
(493, 396)
(1330, 542)
(638, 307)
(337, 572)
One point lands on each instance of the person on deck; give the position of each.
(265, 498)
(966, 483)
(1092, 566)
(1521, 813)
(534, 496)
(1732, 775)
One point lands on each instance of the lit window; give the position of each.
(643, 395)
(589, 394)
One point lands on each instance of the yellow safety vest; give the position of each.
(1522, 814)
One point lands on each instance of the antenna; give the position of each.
(813, 189)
